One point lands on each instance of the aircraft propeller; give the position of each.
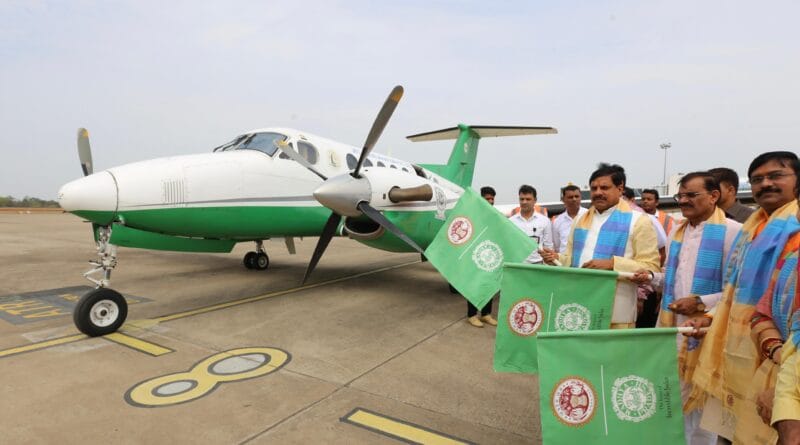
(85, 152)
(349, 194)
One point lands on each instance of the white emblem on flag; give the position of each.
(460, 230)
(574, 401)
(525, 317)
(488, 256)
(633, 398)
(573, 317)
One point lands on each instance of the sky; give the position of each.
(717, 80)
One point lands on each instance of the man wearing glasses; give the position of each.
(736, 361)
(692, 281)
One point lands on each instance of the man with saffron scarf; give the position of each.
(730, 367)
(692, 282)
(610, 236)
(785, 411)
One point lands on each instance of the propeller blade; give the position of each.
(85, 152)
(295, 156)
(388, 225)
(380, 123)
(322, 244)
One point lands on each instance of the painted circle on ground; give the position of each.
(574, 401)
(525, 317)
(228, 366)
(460, 230)
(488, 256)
(633, 398)
(573, 317)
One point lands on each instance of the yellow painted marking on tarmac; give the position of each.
(138, 344)
(224, 367)
(399, 429)
(41, 345)
(228, 304)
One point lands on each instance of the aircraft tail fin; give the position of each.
(460, 168)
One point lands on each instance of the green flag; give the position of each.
(545, 299)
(472, 245)
(610, 387)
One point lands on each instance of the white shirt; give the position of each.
(561, 227)
(537, 227)
(660, 234)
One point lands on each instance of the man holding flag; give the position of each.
(610, 236)
(692, 282)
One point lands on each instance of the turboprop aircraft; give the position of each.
(266, 183)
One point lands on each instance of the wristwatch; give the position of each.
(699, 304)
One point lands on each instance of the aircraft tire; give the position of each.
(250, 260)
(100, 311)
(262, 261)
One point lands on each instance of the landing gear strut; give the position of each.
(257, 260)
(102, 310)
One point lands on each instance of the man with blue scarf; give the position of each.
(611, 236)
(738, 359)
(692, 280)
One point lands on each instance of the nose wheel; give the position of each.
(100, 311)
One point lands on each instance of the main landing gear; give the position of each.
(257, 260)
(102, 310)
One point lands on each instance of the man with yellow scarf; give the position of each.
(733, 370)
(611, 236)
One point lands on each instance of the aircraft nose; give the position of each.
(92, 197)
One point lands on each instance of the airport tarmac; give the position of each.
(374, 349)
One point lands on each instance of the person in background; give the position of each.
(534, 224)
(571, 197)
(649, 202)
(729, 185)
(488, 194)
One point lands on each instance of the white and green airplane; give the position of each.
(266, 183)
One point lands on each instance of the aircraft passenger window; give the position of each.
(367, 163)
(264, 142)
(405, 169)
(308, 151)
(351, 161)
(393, 166)
(381, 164)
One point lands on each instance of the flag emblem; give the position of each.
(441, 203)
(525, 317)
(633, 398)
(460, 230)
(574, 401)
(573, 317)
(488, 256)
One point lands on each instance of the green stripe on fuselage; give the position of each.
(246, 223)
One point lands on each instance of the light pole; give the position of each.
(664, 181)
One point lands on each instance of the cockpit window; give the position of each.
(264, 142)
(308, 151)
(232, 144)
(351, 161)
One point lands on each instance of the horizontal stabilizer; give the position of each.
(483, 131)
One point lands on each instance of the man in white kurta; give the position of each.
(697, 197)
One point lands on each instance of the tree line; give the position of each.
(28, 201)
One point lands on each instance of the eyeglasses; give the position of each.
(774, 176)
(690, 195)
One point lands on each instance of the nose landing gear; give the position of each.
(102, 310)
